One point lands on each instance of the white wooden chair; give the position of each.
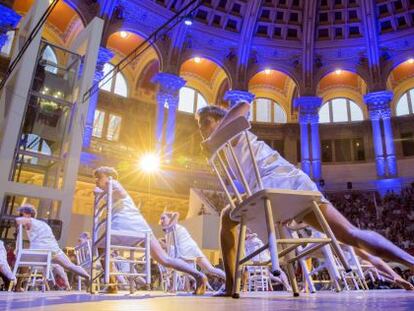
(38, 261)
(180, 280)
(355, 277)
(258, 278)
(83, 253)
(263, 209)
(104, 237)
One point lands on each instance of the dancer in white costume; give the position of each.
(127, 217)
(41, 237)
(4, 265)
(277, 173)
(185, 246)
(253, 243)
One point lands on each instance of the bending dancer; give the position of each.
(41, 237)
(185, 246)
(253, 243)
(278, 173)
(127, 217)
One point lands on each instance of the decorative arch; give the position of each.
(137, 38)
(188, 55)
(274, 85)
(64, 21)
(343, 83)
(203, 75)
(345, 67)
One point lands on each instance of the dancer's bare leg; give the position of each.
(282, 279)
(208, 268)
(64, 261)
(369, 241)
(383, 267)
(162, 258)
(60, 272)
(228, 238)
(5, 269)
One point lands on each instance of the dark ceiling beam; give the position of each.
(371, 35)
(308, 51)
(245, 44)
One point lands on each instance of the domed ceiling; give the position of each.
(283, 19)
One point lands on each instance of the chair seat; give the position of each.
(124, 238)
(286, 205)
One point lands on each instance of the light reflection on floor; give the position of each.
(394, 300)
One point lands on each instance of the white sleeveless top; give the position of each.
(41, 236)
(275, 171)
(184, 244)
(127, 217)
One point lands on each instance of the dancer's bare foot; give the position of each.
(403, 283)
(201, 281)
(222, 292)
(111, 289)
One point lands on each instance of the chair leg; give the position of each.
(289, 266)
(307, 276)
(240, 249)
(270, 224)
(328, 231)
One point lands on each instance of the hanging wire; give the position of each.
(182, 14)
(27, 43)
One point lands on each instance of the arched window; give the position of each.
(50, 56)
(405, 104)
(191, 100)
(117, 85)
(340, 110)
(267, 110)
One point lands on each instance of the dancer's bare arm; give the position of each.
(23, 221)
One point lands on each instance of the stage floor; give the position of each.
(394, 300)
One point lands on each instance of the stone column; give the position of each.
(379, 110)
(8, 20)
(309, 127)
(167, 97)
(236, 96)
(104, 56)
(316, 150)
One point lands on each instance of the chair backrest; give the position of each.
(83, 253)
(27, 256)
(102, 211)
(226, 163)
(19, 239)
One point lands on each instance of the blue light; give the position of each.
(188, 21)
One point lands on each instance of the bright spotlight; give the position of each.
(123, 34)
(149, 163)
(188, 20)
(197, 59)
(411, 60)
(338, 71)
(267, 71)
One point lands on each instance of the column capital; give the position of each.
(236, 96)
(168, 82)
(308, 108)
(378, 104)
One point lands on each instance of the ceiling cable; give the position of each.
(182, 14)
